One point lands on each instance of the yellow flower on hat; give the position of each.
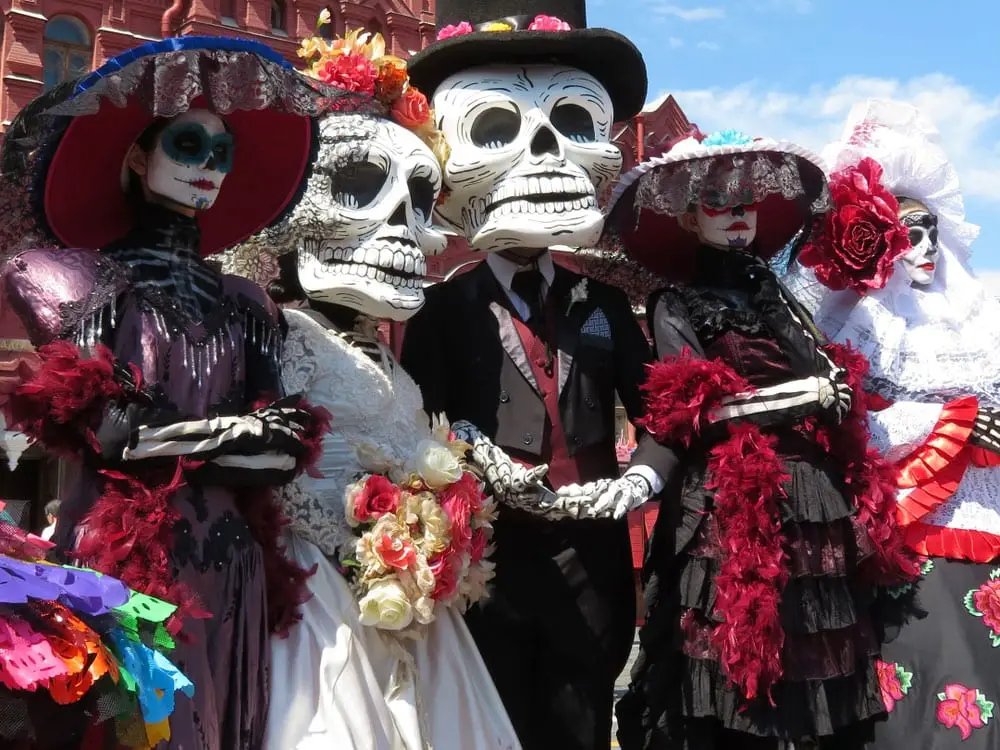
(496, 26)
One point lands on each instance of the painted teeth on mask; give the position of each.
(507, 194)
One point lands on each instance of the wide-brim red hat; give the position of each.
(267, 105)
(787, 183)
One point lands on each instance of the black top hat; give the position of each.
(486, 32)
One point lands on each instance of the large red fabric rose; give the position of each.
(445, 568)
(396, 553)
(378, 497)
(458, 500)
(862, 236)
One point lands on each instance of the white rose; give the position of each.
(424, 610)
(350, 494)
(386, 606)
(436, 465)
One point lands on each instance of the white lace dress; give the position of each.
(336, 684)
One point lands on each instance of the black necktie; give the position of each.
(527, 284)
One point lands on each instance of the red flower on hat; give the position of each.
(351, 72)
(861, 237)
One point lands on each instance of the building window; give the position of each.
(279, 15)
(227, 9)
(374, 27)
(67, 53)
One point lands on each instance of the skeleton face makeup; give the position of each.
(921, 262)
(192, 157)
(727, 227)
(529, 154)
(363, 225)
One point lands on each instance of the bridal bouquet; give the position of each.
(424, 530)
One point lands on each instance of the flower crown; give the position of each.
(357, 62)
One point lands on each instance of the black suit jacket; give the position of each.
(464, 352)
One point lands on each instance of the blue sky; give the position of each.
(793, 68)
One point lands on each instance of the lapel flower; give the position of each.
(577, 294)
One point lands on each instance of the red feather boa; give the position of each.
(748, 477)
(62, 403)
(129, 529)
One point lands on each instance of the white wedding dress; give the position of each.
(336, 684)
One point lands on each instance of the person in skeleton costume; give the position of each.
(354, 248)
(534, 354)
(157, 374)
(893, 262)
(763, 561)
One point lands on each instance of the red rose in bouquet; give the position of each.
(378, 497)
(411, 110)
(862, 236)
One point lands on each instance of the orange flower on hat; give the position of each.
(411, 110)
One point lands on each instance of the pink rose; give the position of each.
(351, 72)
(959, 706)
(396, 553)
(445, 568)
(457, 500)
(986, 600)
(548, 23)
(861, 237)
(458, 29)
(888, 680)
(378, 497)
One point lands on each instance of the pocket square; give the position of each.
(597, 325)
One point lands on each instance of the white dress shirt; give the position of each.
(504, 269)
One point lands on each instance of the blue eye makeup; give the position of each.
(190, 143)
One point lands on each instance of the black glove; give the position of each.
(986, 430)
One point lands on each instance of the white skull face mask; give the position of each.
(363, 225)
(920, 263)
(530, 152)
(191, 158)
(728, 227)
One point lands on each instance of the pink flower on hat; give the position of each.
(455, 29)
(548, 23)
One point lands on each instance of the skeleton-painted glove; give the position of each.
(277, 429)
(604, 498)
(986, 429)
(506, 478)
(790, 401)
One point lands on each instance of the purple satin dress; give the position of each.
(203, 349)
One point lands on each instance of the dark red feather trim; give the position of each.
(869, 475)
(128, 533)
(681, 391)
(748, 477)
(62, 403)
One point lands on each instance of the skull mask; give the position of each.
(530, 152)
(920, 263)
(362, 227)
(190, 159)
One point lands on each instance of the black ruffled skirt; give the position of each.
(679, 697)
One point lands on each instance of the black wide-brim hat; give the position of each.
(490, 32)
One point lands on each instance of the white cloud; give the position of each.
(710, 46)
(690, 14)
(968, 120)
(675, 42)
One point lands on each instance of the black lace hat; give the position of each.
(488, 32)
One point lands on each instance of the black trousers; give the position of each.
(558, 627)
